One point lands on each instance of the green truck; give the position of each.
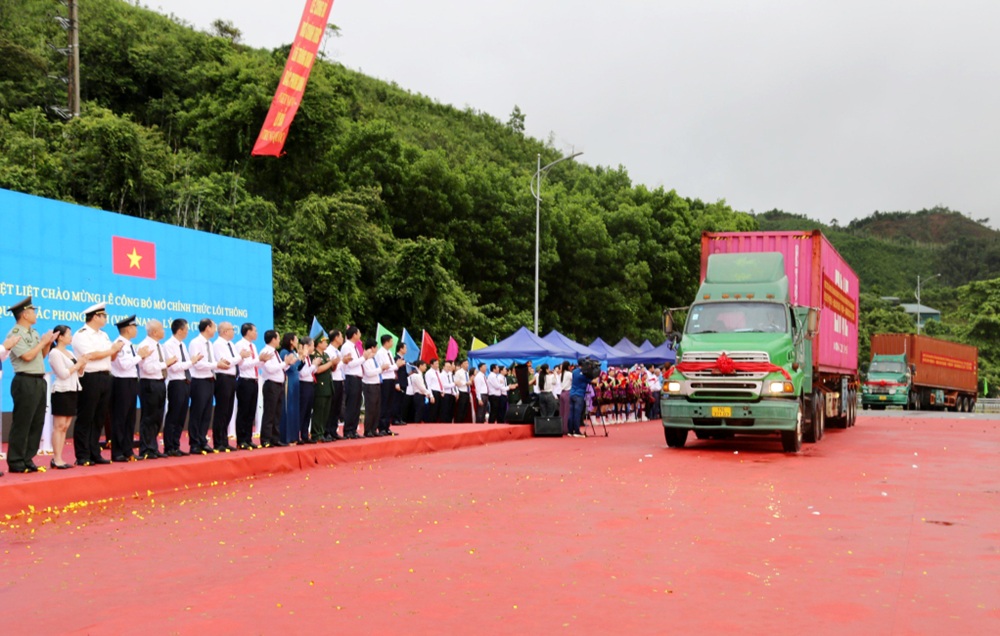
(770, 344)
(917, 372)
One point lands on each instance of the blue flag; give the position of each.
(316, 330)
(412, 350)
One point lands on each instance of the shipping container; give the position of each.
(818, 278)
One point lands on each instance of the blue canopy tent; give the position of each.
(625, 346)
(561, 341)
(522, 346)
(664, 354)
(646, 346)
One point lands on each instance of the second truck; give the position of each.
(918, 372)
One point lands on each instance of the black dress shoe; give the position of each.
(281, 444)
(176, 453)
(118, 458)
(307, 441)
(225, 449)
(85, 462)
(101, 460)
(53, 464)
(160, 455)
(145, 456)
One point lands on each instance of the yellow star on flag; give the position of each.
(133, 259)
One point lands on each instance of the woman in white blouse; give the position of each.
(66, 370)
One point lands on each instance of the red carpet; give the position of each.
(892, 527)
(93, 483)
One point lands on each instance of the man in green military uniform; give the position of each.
(28, 388)
(324, 389)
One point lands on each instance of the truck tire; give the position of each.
(852, 408)
(914, 401)
(676, 437)
(817, 424)
(791, 441)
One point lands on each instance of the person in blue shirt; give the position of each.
(577, 396)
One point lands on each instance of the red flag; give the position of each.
(292, 85)
(452, 353)
(428, 350)
(130, 257)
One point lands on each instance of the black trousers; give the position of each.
(123, 394)
(246, 409)
(178, 393)
(432, 411)
(336, 407)
(352, 404)
(495, 415)
(225, 400)
(398, 409)
(447, 412)
(307, 398)
(152, 397)
(91, 412)
(29, 419)
(418, 406)
(274, 394)
(200, 415)
(373, 407)
(388, 390)
(463, 412)
(482, 410)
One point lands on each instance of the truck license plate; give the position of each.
(882, 397)
(722, 411)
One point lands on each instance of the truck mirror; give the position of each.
(913, 369)
(668, 322)
(812, 322)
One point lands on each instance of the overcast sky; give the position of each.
(831, 109)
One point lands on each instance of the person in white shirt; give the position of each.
(505, 388)
(351, 360)
(421, 394)
(496, 385)
(152, 391)
(448, 394)
(385, 361)
(371, 385)
(307, 389)
(482, 393)
(566, 383)
(436, 386)
(225, 386)
(178, 387)
(65, 389)
(463, 412)
(95, 397)
(247, 386)
(274, 384)
(203, 388)
(124, 390)
(545, 383)
(336, 386)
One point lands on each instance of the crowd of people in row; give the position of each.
(309, 389)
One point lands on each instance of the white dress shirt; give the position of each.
(433, 380)
(174, 348)
(307, 372)
(494, 383)
(448, 383)
(249, 366)
(371, 373)
(417, 382)
(461, 380)
(567, 380)
(153, 366)
(87, 340)
(274, 368)
(126, 363)
(482, 391)
(226, 350)
(65, 381)
(337, 373)
(383, 356)
(203, 369)
(4, 354)
(354, 366)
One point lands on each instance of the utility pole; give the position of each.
(74, 59)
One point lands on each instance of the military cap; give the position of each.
(21, 306)
(93, 309)
(127, 322)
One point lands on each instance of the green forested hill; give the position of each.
(387, 206)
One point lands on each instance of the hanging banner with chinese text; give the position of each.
(292, 85)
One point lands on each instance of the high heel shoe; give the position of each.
(59, 466)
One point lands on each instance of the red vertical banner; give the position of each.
(292, 85)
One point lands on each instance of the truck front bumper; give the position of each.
(770, 414)
(875, 399)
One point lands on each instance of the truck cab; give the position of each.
(888, 383)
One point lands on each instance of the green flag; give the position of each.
(382, 330)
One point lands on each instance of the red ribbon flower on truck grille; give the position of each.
(724, 365)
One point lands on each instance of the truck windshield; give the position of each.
(887, 366)
(737, 317)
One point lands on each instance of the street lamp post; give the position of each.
(919, 301)
(536, 190)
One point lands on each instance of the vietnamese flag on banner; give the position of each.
(452, 353)
(292, 85)
(130, 257)
(428, 350)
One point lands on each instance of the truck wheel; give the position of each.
(676, 437)
(852, 408)
(818, 424)
(791, 441)
(914, 400)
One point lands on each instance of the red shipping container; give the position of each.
(940, 364)
(817, 277)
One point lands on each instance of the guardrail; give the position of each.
(988, 405)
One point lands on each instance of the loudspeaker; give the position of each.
(521, 414)
(521, 374)
(548, 427)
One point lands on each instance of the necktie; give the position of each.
(187, 372)
(233, 354)
(254, 352)
(132, 347)
(159, 352)
(208, 350)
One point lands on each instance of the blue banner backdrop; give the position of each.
(65, 257)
